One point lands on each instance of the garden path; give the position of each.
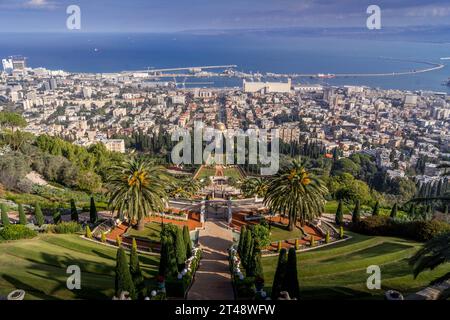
(213, 278)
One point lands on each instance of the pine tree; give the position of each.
(394, 211)
(5, 218)
(22, 216)
(135, 270)
(73, 211)
(339, 214)
(180, 249)
(242, 239)
(123, 281)
(38, 215)
(290, 281)
(279, 274)
(376, 209)
(356, 217)
(187, 241)
(93, 211)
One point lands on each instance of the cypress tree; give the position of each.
(356, 217)
(394, 211)
(123, 281)
(93, 211)
(135, 270)
(279, 274)
(249, 254)
(257, 264)
(56, 217)
(187, 241)
(168, 262)
(242, 239)
(38, 215)
(290, 281)
(22, 216)
(5, 218)
(73, 210)
(246, 247)
(251, 260)
(180, 249)
(376, 209)
(339, 214)
(103, 238)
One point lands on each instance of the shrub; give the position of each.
(5, 218)
(67, 227)
(327, 237)
(341, 232)
(38, 215)
(296, 244)
(88, 233)
(313, 241)
(261, 234)
(103, 238)
(279, 246)
(416, 230)
(118, 241)
(22, 216)
(16, 232)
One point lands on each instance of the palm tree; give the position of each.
(295, 193)
(254, 187)
(435, 253)
(184, 189)
(136, 188)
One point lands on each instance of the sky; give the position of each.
(185, 15)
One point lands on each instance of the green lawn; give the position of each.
(232, 172)
(151, 232)
(206, 172)
(339, 271)
(39, 266)
(279, 233)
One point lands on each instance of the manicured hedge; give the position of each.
(16, 232)
(415, 230)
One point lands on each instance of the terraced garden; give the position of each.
(39, 265)
(340, 270)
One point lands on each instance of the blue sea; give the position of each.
(87, 52)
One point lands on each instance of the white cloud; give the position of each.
(39, 4)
